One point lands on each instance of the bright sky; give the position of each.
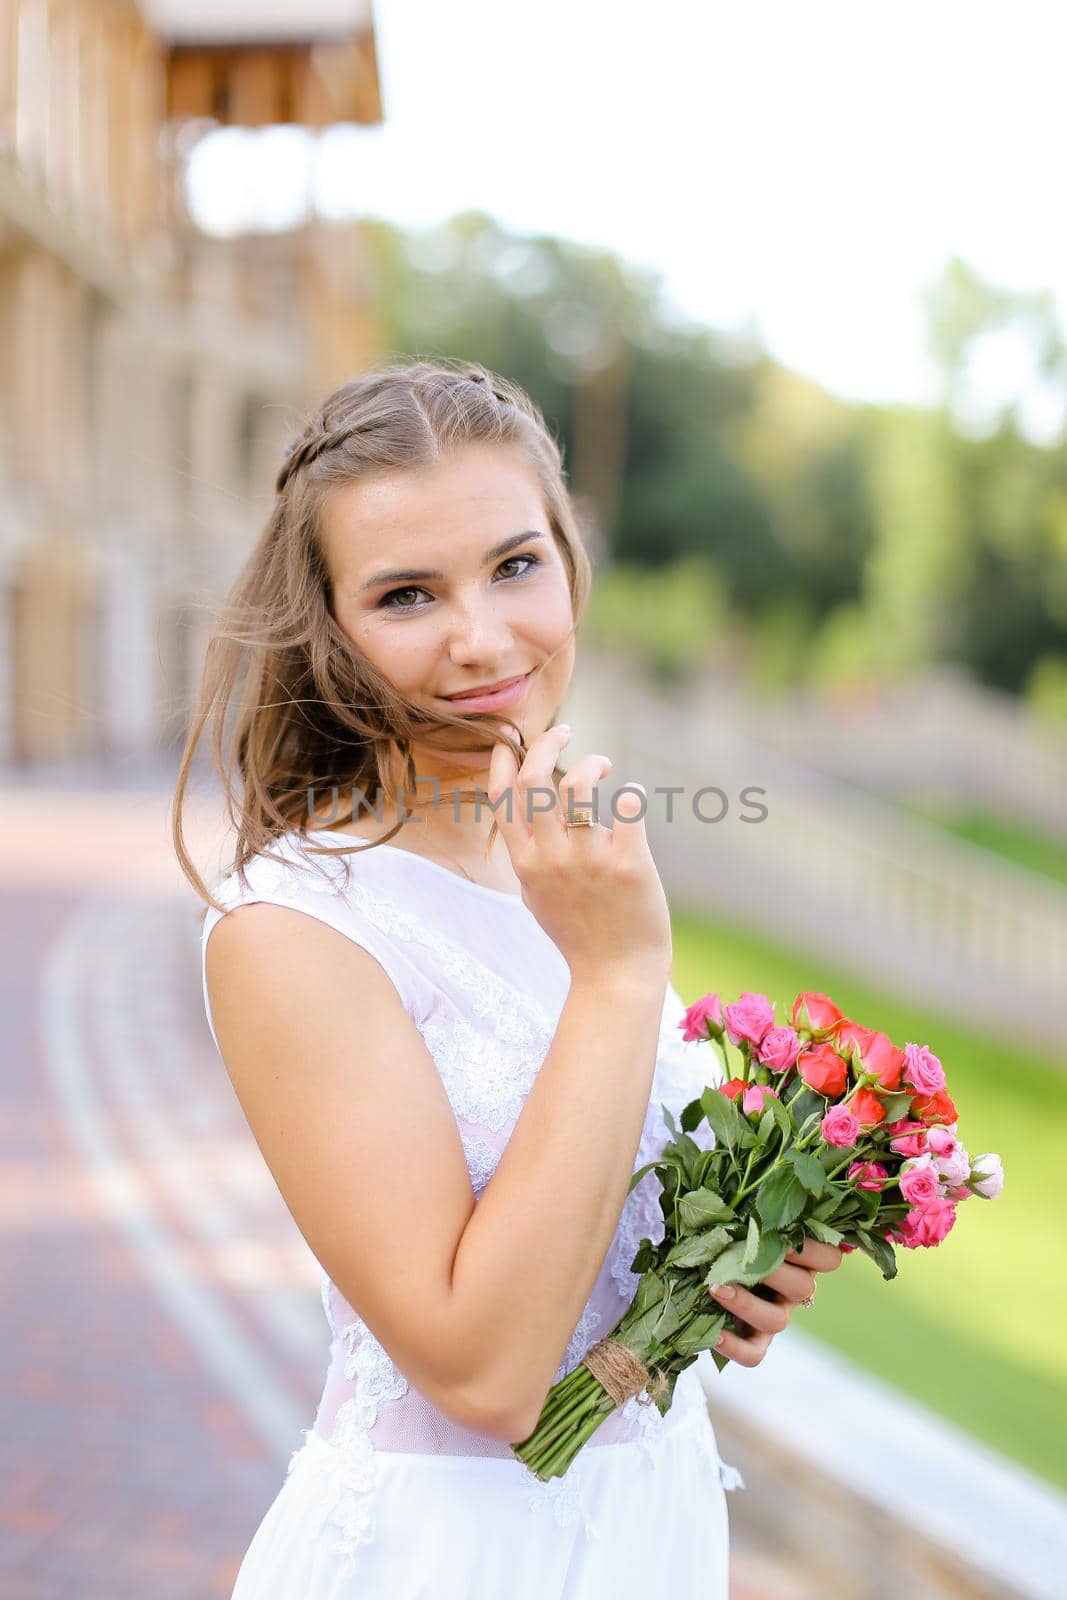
(802, 169)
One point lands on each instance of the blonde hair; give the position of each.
(312, 709)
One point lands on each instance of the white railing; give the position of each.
(832, 868)
(943, 733)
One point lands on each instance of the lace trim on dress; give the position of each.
(352, 1472)
(482, 1160)
(486, 1084)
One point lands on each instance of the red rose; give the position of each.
(936, 1107)
(816, 1012)
(867, 1107)
(823, 1070)
(732, 1088)
(877, 1053)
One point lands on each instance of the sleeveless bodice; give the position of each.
(484, 985)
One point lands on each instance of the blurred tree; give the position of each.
(846, 541)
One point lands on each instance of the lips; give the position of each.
(484, 689)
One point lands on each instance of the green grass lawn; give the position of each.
(975, 1328)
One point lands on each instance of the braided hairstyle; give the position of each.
(311, 710)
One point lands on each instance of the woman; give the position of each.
(453, 1051)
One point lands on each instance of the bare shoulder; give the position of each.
(336, 1084)
(263, 958)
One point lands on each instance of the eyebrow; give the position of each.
(411, 574)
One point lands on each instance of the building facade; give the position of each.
(149, 374)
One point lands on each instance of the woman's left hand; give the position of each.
(769, 1313)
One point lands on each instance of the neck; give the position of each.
(436, 821)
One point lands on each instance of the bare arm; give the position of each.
(475, 1303)
(531, 1253)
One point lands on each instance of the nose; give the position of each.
(478, 633)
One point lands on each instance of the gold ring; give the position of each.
(582, 820)
(810, 1301)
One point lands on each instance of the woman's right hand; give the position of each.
(595, 891)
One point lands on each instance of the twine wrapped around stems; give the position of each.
(620, 1373)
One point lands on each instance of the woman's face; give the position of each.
(421, 588)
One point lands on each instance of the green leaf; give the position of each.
(835, 1201)
(642, 1172)
(747, 1135)
(663, 1401)
(701, 1207)
(698, 1250)
(671, 1315)
(880, 1251)
(782, 1118)
(650, 1291)
(689, 1296)
(639, 1330)
(805, 1104)
(781, 1198)
(730, 1266)
(668, 1118)
(644, 1257)
(896, 1106)
(702, 1333)
(751, 1243)
(692, 1159)
(692, 1115)
(809, 1170)
(823, 1231)
(723, 1118)
(711, 1163)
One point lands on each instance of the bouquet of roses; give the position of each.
(827, 1129)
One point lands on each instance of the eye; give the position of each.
(388, 601)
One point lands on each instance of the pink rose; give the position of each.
(987, 1176)
(926, 1228)
(868, 1175)
(955, 1168)
(940, 1140)
(779, 1048)
(911, 1139)
(918, 1182)
(922, 1069)
(695, 1021)
(749, 1018)
(840, 1127)
(756, 1096)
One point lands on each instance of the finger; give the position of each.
(746, 1352)
(536, 795)
(628, 835)
(796, 1283)
(577, 790)
(766, 1316)
(817, 1257)
(503, 771)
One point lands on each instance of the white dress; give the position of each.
(388, 1498)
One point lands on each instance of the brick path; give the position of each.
(164, 1342)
